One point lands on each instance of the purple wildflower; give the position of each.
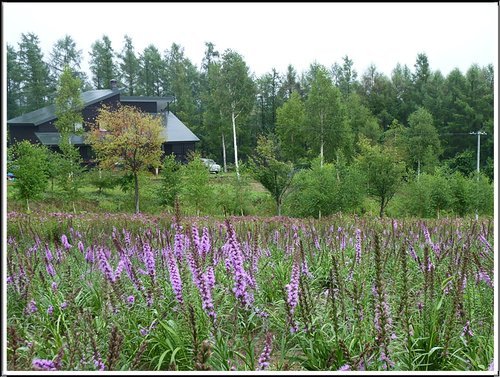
(50, 269)
(483, 276)
(144, 331)
(240, 276)
(48, 253)
(10, 280)
(119, 269)
(179, 245)
(358, 246)
(210, 277)
(467, 330)
(420, 306)
(89, 256)
(130, 299)
(492, 365)
(98, 363)
(206, 296)
(64, 305)
(293, 288)
(105, 266)
(81, 247)
(175, 277)
(64, 241)
(50, 310)
(149, 260)
(344, 368)
(193, 266)
(43, 364)
(54, 286)
(265, 356)
(31, 308)
(205, 242)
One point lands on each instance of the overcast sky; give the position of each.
(277, 34)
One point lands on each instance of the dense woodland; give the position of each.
(369, 104)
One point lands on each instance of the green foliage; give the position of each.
(102, 65)
(275, 175)
(102, 179)
(423, 145)
(383, 173)
(171, 182)
(30, 164)
(290, 128)
(196, 191)
(68, 105)
(326, 121)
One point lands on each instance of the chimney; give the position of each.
(113, 85)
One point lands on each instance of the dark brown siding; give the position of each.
(179, 150)
(148, 107)
(22, 132)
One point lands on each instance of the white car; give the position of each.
(212, 166)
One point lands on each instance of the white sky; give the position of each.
(271, 35)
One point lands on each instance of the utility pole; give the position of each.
(478, 133)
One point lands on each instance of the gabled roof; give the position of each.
(161, 102)
(175, 130)
(48, 113)
(53, 138)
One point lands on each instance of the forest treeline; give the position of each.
(328, 111)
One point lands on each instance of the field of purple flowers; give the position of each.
(120, 292)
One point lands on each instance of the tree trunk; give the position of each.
(224, 153)
(321, 152)
(233, 118)
(382, 205)
(136, 184)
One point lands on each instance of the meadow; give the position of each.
(88, 292)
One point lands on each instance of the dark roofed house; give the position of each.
(38, 126)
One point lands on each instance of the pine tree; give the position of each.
(102, 63)
(34, 72)
(129, 67)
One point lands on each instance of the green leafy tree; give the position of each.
(129, 67)
(275, 175)
(171, 181)
(151, 73)
(289, 83)
(68, 107)
(326, 122)
(383, 173)
(290, 128)
(196, 190)
(65, 54)
(235, 93)
(102, 64)
(127, 137)
(183, 81)
(31, 177)
(402, 84)
(14, 81)
(314, 191)
(36, 86)
(422, 138)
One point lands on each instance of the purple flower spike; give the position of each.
(344, 368)
(65, 242)
(175, 277)
(358, 246)
(130, 300)
(50, 310)
(265, 356)
(43, 364)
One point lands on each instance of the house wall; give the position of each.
(148, 107)
(22, 132)
(180, 150)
